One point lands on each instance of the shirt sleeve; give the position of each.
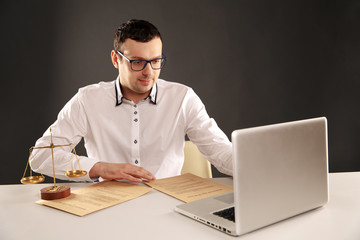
(203, 131)
(69, 128)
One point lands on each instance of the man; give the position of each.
(134, 127)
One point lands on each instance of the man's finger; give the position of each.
(140, 172)
(132, 178)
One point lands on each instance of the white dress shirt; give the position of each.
(150, 134)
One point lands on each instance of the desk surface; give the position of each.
(152, 217)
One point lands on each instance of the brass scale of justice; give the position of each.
(56, 191)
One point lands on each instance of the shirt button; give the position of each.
(135, 106)
(135, 112)
(136, 161)
(135, 141)
(135, 120)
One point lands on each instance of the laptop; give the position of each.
(279, 171)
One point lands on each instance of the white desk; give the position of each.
(152, 217)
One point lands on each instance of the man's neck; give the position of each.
(134, 96)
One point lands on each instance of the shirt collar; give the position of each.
(153, 94)
(119, 97)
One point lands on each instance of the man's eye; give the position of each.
(137, 62)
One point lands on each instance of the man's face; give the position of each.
(138, 83)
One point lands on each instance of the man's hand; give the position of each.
(120, 171)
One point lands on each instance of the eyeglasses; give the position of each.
(140, 64)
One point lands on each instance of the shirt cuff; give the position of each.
(86, 164)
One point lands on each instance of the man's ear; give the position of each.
(114, 59)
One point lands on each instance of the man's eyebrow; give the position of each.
(141, 58)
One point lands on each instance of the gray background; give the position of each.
(252, 62)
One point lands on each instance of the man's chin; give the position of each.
(144, 89)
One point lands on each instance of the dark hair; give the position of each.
(138, 30)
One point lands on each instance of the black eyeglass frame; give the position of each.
(163, 60)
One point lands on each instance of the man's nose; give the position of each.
(147, 70)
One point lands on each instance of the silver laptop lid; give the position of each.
(280, 170)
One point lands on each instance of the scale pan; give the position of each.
(75, 173)
(32, 179)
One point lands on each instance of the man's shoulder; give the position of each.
(100, 87)
(173, 91)
(171, 85)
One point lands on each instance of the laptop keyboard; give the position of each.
(228, 214)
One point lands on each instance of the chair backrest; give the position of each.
(194, 162)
